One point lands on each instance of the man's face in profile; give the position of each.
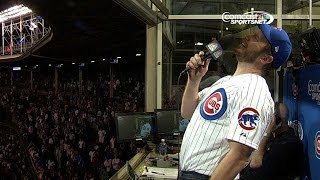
(251, 47)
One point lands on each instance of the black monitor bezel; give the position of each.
(152, 135)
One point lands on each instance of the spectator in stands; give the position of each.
(101, 135)
(280, 155)
(116, 162)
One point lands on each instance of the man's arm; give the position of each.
(235, 160)
(190, 99)
(257, 157)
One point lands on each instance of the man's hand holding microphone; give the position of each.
(197, 67)
(198, 64)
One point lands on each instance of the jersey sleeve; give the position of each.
(251, 114)
(205, 90)
(202, 93)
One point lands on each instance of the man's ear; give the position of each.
(266, 59)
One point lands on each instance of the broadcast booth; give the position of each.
(301, 92)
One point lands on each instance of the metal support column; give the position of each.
(43, 32)
(276, 74)
(20, 30)
(2, 33)
(310, 13)
(11, 39)
(31, 33)
(159, 66)
(150, 69)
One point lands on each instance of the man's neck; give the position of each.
(247, 68)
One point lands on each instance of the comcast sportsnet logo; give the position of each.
(253, 17)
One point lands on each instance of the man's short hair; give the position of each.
(278, 113)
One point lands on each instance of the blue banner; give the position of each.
(290, 94)
(309, 115)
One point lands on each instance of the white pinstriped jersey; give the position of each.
(238, 108)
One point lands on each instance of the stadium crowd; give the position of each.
(71, 134)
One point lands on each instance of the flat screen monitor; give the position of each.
(134, 126)
(169, 121)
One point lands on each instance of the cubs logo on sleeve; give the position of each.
(248, 118)
(215, 105)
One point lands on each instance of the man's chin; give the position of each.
(238, 52)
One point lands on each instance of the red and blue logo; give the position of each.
(215, 105)
(248, 118)
(317, 144)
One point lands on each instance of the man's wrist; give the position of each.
(194, 81)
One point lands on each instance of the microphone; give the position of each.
(216, 49)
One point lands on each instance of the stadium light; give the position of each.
(92, 61)
(138, 54)
(16, 68)
(73, 63)
(14, 12)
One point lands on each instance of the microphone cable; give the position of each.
(179, 110)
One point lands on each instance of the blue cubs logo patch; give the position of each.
(215, 105)
(248, 118)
